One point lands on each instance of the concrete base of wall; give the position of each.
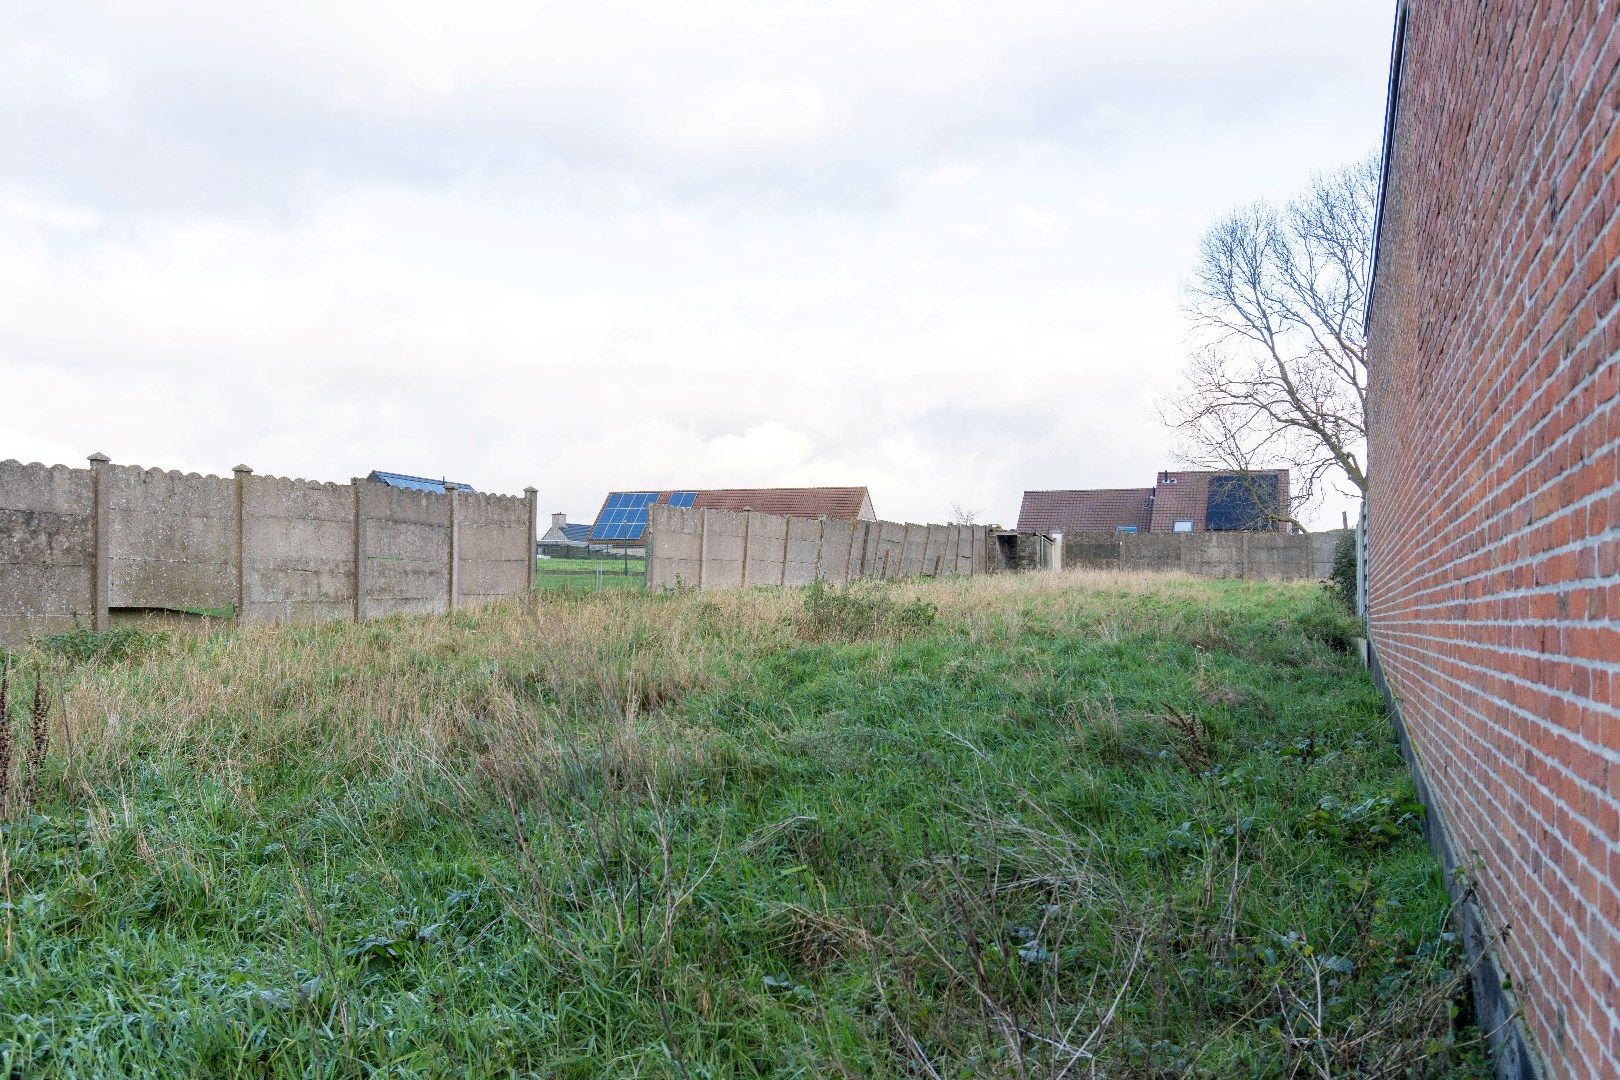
(1496, 1008)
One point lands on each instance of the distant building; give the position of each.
(414, 483)
(567, 539)
(1197, 501)
(623, 517)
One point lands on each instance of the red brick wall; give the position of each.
(1494, 508)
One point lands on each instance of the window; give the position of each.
(1183, 525)
(1125, 528)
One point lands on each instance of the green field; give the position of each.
(1018, 826)
(589, 575)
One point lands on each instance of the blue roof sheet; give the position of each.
(413, 483)
(580, 533)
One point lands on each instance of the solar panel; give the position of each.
(683, 499)
(624, 515)
(1244, 502)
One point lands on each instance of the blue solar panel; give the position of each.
(683, 499)
(624, 515)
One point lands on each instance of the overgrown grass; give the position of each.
(1017, 826)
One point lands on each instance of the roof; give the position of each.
(414, 483)
(1181, 496)
(1086, 510)
(624, 513)
(845, 503)
(579, 533)
(1185, 496)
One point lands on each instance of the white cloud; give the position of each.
(933, 248)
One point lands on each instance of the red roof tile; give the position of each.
(842, 503)
(1094, 510)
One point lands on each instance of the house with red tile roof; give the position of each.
(1189, 501)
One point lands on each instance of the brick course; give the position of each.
(1494, 505)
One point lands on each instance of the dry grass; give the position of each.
(387, 695)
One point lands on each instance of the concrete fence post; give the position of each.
(748, 516)
(856, 529)
(787, 542)
(453, 585)
(361, 541)
(100, 535)
(532, 496)
(703, 546)
(241, 472)
(821, 543)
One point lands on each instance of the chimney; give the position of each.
(558, 520)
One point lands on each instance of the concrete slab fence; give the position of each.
(720, 549)
(87, 547)
(1274, 555)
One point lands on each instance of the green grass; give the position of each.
(1008, 827)
(589, 575)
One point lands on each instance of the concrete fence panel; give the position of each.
(837, 548)
(725, 540)
(1280, 556)
(493, 534)
(804, 537)
(406, 560)
(765, 555)
(1148, 551)
(678, 559)
(710, 549)
(47, 549)
(297, 549)
(175, 538)
(85, 547)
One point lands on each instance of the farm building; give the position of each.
(1197, 501)
(415, 483)
(623, 517)
(566, 539)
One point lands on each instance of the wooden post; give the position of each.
(453, 585)
(361, 541)
(532, 495)
(242, 472)
(100, 530)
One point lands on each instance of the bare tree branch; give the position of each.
(1278, 378)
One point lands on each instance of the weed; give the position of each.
(118, 643)
(859, 610)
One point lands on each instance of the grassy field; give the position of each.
(1029, 826)
(589, 575)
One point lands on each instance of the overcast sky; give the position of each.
(933, 248)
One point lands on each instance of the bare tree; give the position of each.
(961, 516)
(1279, 376)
